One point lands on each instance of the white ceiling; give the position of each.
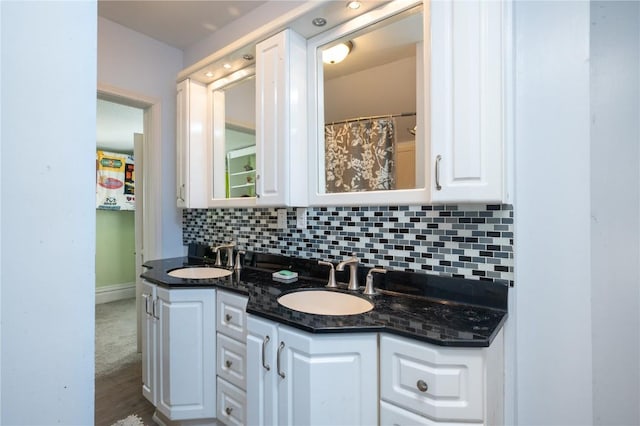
(176, 23)
(182, 23)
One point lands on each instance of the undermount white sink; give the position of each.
(199, 273)
(324, 302)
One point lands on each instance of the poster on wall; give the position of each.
(115, 181)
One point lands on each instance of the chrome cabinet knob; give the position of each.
(228, 363)
(228, 410)
(228, 317)
(422, 386)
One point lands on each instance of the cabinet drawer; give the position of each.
(232, 361)
(232, 318)
(391, 415)
(232, 403)
(432, 381)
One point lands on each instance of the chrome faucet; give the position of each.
(229, 247)
(353, 262)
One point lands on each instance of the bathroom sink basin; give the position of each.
(324, 302)
(199, 273)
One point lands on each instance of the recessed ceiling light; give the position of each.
(227, 66)
(209, 74)
(319, 22)
(353, 5)
(247, 57)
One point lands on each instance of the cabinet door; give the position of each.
(328, 379)
(262, 386)
(467, 108)
(281, 155)
(148, 334)
(191, 158)
(186, 353)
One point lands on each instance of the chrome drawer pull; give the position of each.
(228, 410)
(146, 303)
(438, 186)
(280, 348)
(264, 344)
(422, 386)
(228, 363)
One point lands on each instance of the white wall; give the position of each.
(552, 172)
(136, 63)
(577, 213)
(47, 168)
(615, 211)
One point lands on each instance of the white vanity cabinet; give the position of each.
(232, 358)
(178, 351)
(436, 385)
(314, 379)
(469, 94)
(191, 150)
(281, 115)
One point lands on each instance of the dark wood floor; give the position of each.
(119, 395)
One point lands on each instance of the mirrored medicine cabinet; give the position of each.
(231, 102)
(368, 134)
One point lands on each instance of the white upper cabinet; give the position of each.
(261, 108)
(453, 103)
(281, 145)
(190, 144)
(469, 76)
(418, 112)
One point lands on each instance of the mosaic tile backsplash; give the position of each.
(468, 241)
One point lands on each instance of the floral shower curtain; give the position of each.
(360, 156)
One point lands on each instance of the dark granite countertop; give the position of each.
(438, 310)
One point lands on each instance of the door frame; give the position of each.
(151, 194)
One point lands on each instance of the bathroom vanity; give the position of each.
(433, 346)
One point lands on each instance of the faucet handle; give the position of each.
(332, 274)
(238, 264)
(218, 260)
(368, 288)
(229, 248)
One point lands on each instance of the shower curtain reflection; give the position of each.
(360, 155)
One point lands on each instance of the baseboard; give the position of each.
(111, 293)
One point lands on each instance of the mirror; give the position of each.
(370, 127)
(233, 147)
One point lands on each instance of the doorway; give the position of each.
(148, 197)
(119, 141)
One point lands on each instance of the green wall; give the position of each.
(115, 247)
